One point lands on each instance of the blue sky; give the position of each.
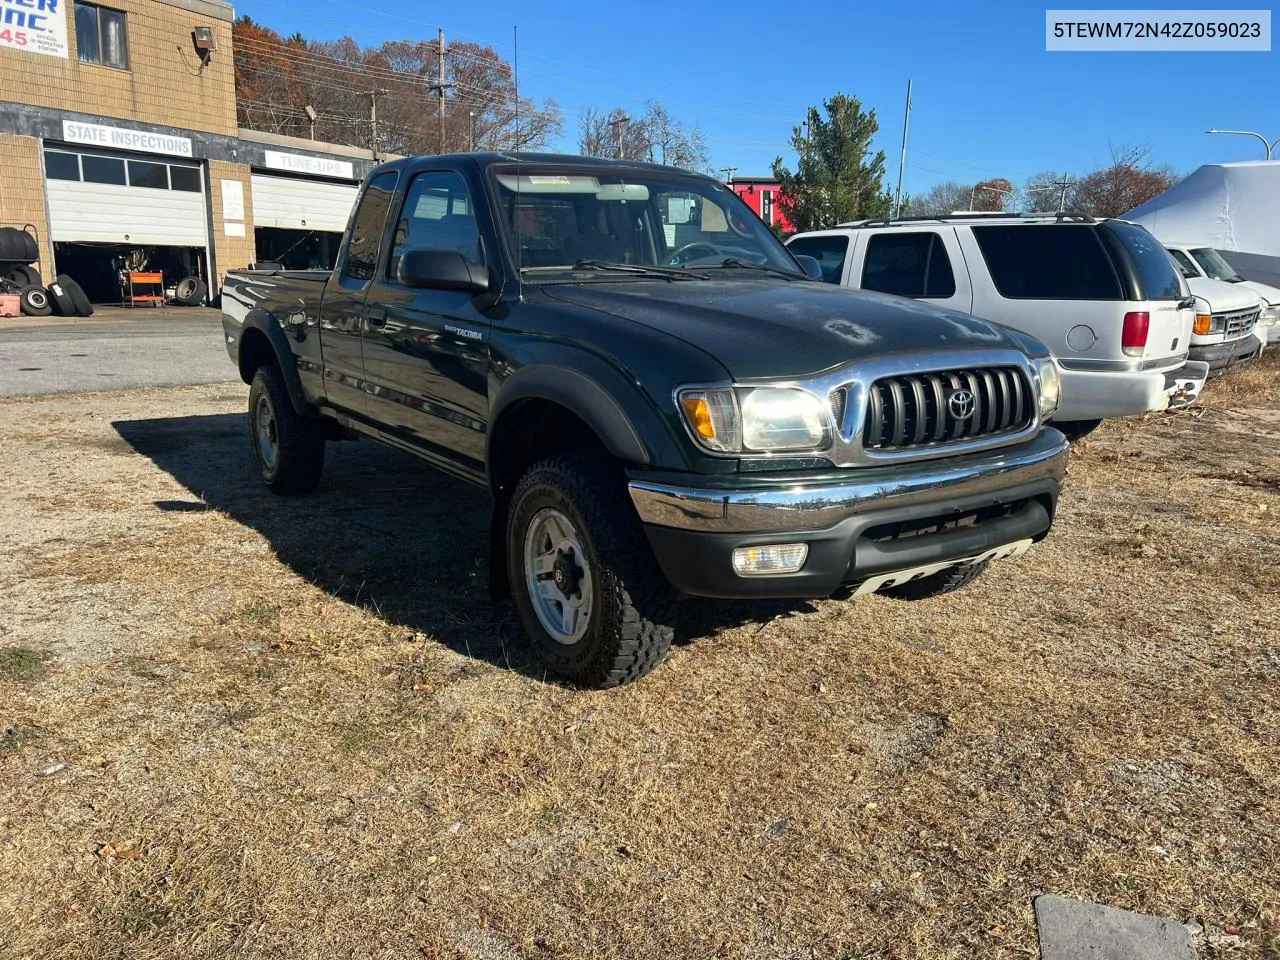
(989, 100)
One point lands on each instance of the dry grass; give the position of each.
(298, 728)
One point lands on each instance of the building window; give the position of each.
(100, 36)
(61, 166)
(185, 178)
(143, 173)
(103, 170)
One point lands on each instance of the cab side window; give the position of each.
(437, 215)
(909, 265)
(829, 251)
(367, 229)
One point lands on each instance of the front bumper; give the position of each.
(850, 519)
(1223, 357)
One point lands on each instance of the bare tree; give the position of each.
(1129, 181)
(939, 200)
(276, 78)
(656, 136)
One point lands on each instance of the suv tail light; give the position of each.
(1134, 338)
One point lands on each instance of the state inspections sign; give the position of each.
(37, 26)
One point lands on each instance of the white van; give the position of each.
(1201, 260)
(1102, 294)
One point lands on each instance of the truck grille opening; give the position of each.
(929, 409)
(925, 526)
(1237, 323)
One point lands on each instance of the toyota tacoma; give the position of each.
(660, 399)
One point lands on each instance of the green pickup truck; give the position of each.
(659, 398)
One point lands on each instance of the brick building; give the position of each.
(118, 143)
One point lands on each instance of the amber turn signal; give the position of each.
(699, 415)
(1203, 324)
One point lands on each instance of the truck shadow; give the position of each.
(384, 531)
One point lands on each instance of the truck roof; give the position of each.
(490, 158)
(971, 217)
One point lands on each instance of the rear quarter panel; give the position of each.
(289, 301)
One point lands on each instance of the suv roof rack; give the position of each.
(1061, 216)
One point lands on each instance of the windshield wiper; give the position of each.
(677, 272)
(733, 263)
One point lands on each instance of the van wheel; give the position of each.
(1075, 430)
(35, 301)
(936, 584)
(287, 446)
(590, 594)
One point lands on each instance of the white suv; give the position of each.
(1201, 260)
(1102, 294)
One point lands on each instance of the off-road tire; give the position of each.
(633, 613)
(299, 439)
(79, 298)
(936, 584)
(36, 301)
(63, 305)
(1075, 430)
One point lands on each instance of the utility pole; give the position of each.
(373, 119)
(440, 86)
(1063, 183)
(471, 130)
(615, 124)
(728, 174)
(902, 164)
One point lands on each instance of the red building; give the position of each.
(761, 195)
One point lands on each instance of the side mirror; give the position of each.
(441, 270)
(810, 266)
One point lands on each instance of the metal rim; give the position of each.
(185, 288)
(266, 434)
(37, 298)
(558, 576)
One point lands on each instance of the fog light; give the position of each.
(769, 559)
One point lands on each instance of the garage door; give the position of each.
(112, 198)
(294, 204)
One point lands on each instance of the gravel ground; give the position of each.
(233, 725)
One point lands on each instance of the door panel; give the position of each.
(426, 352)
(924, 265)
(342, 319)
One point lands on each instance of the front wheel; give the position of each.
(287, 446)
(590, 595)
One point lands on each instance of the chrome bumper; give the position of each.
(801, 506)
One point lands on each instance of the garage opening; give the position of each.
(102, 269)
(297, 249)
(299, 221)
(111, 213)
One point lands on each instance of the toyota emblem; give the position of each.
(960, 403)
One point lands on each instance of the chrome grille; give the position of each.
(916, 410)
(1237, 323)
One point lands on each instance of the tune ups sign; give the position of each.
(37, 26)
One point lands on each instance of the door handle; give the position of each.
(376, 316)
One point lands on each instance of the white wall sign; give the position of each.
(232, 199)
(120, 138)
(233, 229)
(37, 26)
(319, 166)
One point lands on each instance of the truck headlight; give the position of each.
(1050, 384)
(755, 419)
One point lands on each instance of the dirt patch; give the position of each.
(299, 728)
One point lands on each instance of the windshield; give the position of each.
(1184, 264)
(1213, 264)
(565, 219)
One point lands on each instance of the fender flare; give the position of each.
(265, 323)
(573, 389)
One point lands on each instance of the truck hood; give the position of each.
(1269, 294)
(1222, 297)
(762, 327)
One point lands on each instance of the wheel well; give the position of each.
(528, 431)
(524, 433)
(255, 351)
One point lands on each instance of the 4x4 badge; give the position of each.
(960, 403)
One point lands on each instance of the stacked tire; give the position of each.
(18, 254)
